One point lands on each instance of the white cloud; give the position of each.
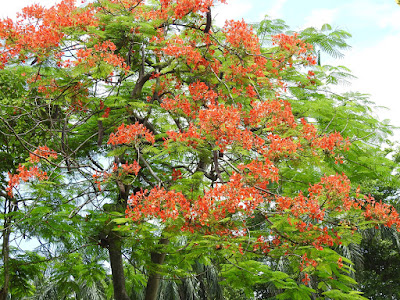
(390, 20)
(377, 68)
(319, 17)
(384, 14)
(10, 8)
(275, 12)
(369, 9)
(235, 10)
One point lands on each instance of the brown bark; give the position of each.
(140, 83)
(114, 244)
(6, 258)
(209, 20)
(153, 283)
(101, 133)
(117, 266)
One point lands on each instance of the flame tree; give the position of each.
(157, 138)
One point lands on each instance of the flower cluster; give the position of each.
(223, 124)
(130, 134)
(178, 9)
(101, 52)
(158, 203)
(216, 204)
(331, 142)
(240, 35)
(178, 48)
(190, 137)
(39, 30)
(189, 105)
(381, 212)
(132, 168)
(23, 174)
(289, 42)
(270, 113)
(42, 152)
(260, 173)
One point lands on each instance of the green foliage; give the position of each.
(378, 275)
(74, 216)
(327, 39)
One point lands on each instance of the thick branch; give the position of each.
(117, 267)
(101, 133)
(6, 260)
(208, 24)
(153, 282)
(216, 166)
(140, 83)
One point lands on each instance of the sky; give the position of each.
(374, 57)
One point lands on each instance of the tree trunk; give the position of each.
(6, 258)
(153, 283)
(117, 266)
(114, 243)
